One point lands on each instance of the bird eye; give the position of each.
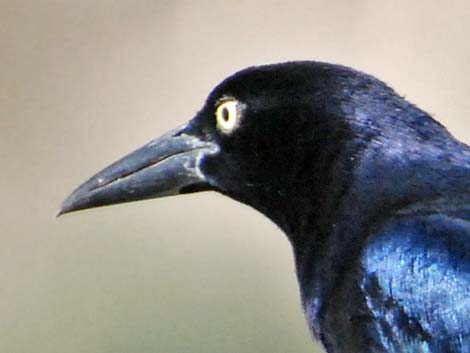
(227, 115)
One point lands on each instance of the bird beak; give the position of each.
(169, 165)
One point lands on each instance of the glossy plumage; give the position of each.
(373, 194)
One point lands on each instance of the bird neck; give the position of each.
(387, 177)
(329, 209)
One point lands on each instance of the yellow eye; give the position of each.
(227, 115)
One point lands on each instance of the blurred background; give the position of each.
(84, 82)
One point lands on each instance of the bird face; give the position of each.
(236, 144)
(204, 154)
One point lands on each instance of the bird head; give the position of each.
(270, 136)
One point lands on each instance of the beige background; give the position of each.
(83, 82)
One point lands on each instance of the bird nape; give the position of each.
(373, 194)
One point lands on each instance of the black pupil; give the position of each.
(225, 114)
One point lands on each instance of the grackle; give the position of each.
(373, 194)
